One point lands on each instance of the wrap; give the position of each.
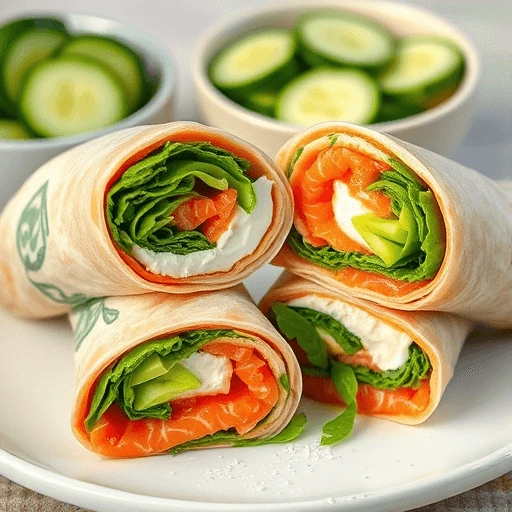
(402, 361)
(387, 221)
(178, 208)
(161, 372)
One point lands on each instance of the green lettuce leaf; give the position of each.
(340, 427)
(408, 375)
(346, 384)
(422, 258)
(140, 204)
(293, 430)
(349, 342)
(114, 385)
(295, 327)
(304, 324)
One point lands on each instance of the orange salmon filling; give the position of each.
(313, 189)
(212, 215)
(253, 393)
(370, 400)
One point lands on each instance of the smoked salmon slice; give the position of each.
(216, 225)
(370, 400)
(313, 189)
(253, 393)
(213, 214)
(193, 212)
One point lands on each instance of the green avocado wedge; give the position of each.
(415, 212)
(164, 388)
(116, 386)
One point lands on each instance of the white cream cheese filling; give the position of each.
(345, 208)
(388, 346)
(214, 373)
(240, 239)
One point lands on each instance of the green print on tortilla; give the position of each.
(31, 240)
(33, 231)
(89, 314)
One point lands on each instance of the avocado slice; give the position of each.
(164, 388)
(388, 251)
(151, 368)
(390, 229)
(390, 239)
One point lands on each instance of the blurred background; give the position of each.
(178, 24)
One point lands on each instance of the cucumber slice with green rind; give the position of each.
(12, 129)
(10, 31)
(392, 109)
(121, 60)
(424, 68)
(259, 60)
(327, 94)
(26, 50)
(71, 94)
(263, 102)
(344, 39)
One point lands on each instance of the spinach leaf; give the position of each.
(349, 342)
(294, 326)
(346, 384)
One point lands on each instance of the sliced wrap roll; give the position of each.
(402, 361)
(178, 208)
(387, 221)
(162, 372)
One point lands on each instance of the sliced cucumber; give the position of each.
(12, 129)
(122, 61)
(29, 48)
(8, 33)
(71, 94)
(424, 67)
(263, 102)
(392, 109)
(327, 94)
(346, 39)
(259, 60)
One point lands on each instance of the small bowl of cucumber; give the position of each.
(267, 73)
(68, 78)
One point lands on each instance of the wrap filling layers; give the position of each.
(188, 208)
(195, 389)
(370, 359)
(364, 216)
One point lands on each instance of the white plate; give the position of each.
(384, 466)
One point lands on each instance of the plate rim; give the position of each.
(409, 495)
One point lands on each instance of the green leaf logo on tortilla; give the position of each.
(33, 231)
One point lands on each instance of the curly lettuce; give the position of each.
(140, 204)
(410, 248)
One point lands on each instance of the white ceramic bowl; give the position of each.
(19, 158)
(440, 129)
